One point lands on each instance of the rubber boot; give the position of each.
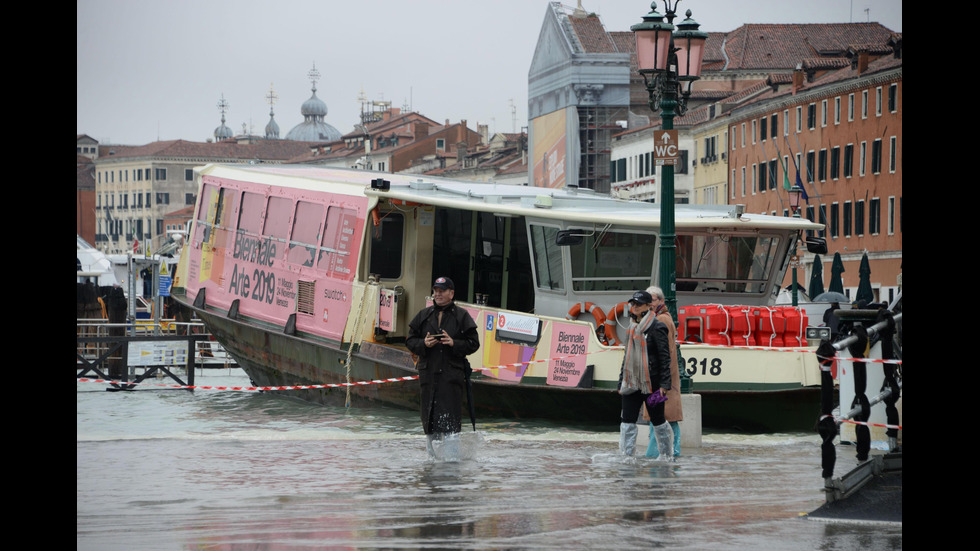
(665, 442)
(627, 438)
(652, 445)
(676, 427)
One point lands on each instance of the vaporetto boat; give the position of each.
(309, 276)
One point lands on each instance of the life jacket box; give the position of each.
(707, 323)
(772, 326)
(743, 325)
(796, 323)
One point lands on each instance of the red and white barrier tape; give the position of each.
(410, 378)
(253, 388)
(899, 427)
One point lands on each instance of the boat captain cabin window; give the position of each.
(549, 273)
(613, 261)
(724, 262)
(387, 239)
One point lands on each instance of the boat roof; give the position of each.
(569, 205)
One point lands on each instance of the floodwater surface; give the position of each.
(171, 469)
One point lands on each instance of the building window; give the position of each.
(834, 220)
(847, 218)
(160, 174)
(850, 107)
(891, 215)
(878, 101)
(188, 199)
(755, 123)
(835, 163)
(874, 216)
(823, 113)
(731, 137)
(763, 169)
(754, 178)
(848, 160)
(811, 116)
(772, 174)
(763, 129)
(785, 122)
(859, 217)
(864, 104)
(837, 110)
(823, 219)
(893, 151)
(810, 165)
(876, 157)
(774, 121)
(822, 166)
(440, 144)
(743, 134)
(893, 98)
(862, 158)
(743, 181)
(189, 174)
(733, 183)
(799, 119)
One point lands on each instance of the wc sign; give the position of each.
(665, 150)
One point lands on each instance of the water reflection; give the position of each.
(255, 472)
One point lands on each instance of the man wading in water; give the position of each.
(441, 336)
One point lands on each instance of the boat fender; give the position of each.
(597, 314)
(611, 322)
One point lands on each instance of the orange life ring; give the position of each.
(597, 313)
(611, 318)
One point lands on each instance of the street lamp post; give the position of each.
(669, 62)
(794, 204)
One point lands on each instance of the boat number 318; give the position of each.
(707, 368)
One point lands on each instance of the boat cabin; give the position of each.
(299, 241)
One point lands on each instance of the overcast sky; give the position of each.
(157, 70)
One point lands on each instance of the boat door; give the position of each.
(486, 255)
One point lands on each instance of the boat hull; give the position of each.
(272, 358)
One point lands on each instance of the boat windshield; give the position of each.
(725, 263)
(613, 261)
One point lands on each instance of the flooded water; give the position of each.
(170, 469)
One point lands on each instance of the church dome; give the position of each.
(313, 128)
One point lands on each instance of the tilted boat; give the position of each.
(309, 276)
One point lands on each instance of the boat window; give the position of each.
(386, 246)
(205, 213)
(547, 258)
(338, 242)
(306, 233)
(277, 218)
(724, 263)
(613, 261)
(250, 217)
(206, 197)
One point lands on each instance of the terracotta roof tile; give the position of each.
(591, 34)
(280, 150)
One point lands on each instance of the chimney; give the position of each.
(420, 130)
(797, 78)
(862, 61)
(461, 153)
